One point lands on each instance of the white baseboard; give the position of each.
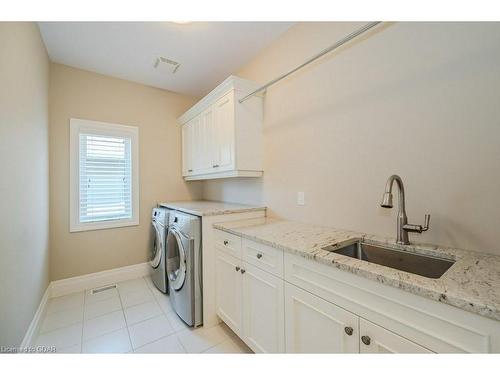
(93, 280)
(35, 323)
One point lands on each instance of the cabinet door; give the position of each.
(313, 325)
(263, 310)
(228, 287)
(206, 142)
(195, 145)
(187, 167)
(224, 133)
(375, 339)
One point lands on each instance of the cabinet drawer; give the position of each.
(228, 242)
(265, 257)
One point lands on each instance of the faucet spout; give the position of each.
(402, 234)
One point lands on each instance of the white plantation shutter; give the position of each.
(105, 178)
(104, 185)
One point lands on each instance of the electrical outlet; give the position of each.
(301, 199)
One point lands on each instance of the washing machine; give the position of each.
(159, 220)
(184, 267)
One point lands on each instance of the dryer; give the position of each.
(184, 267)
(159, 221)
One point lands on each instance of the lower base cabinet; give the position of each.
(313, 325)
(375, 339)
(228, 284)
(250, 301)
(263, 311)
(306, 307)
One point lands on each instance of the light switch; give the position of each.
(301, 200)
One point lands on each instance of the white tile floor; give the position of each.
(135, 317)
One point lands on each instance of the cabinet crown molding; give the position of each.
(230, 83)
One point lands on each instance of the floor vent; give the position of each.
(103, 288)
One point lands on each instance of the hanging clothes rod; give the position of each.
(333, 47)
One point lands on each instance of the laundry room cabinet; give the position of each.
(222, 137)
(314, 325)
(376, 339)
(229, 291)
(197, 145)
(263, 310)
(289, 303)
(249, 299)
(256, 298)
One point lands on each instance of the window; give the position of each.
(104, 175)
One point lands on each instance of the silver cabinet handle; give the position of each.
(348, 331)
(242, 271)
(259, 255)
(366, 340)
(225, 242)
(190, 170)
(237, 268)
(215, 166)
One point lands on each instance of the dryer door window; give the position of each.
(157, 246)
(176, 260)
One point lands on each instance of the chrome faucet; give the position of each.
(402, 224)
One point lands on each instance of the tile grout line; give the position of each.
(157, 303)
(149, 288)
(115, 330)
(83, 319)
(145, 320)
(214, 346)
(176, 333)
(180, 342)
(46, 314)
(161, 338)
(156, 297)
(125, 318)
(38, 333)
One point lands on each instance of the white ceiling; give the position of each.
(207, 51)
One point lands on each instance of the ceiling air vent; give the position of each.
(170, 64)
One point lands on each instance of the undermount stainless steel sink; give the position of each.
(418, 264)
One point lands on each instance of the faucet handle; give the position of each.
(418, 228)
(426, 222)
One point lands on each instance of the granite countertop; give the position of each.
(472, 283)
(210, 208)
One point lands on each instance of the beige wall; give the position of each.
(86, 95)
(24, 185)
(417, 99)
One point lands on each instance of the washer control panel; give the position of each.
(160, 215)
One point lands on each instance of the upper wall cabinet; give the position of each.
(222, 137)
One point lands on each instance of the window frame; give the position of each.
(78, 126)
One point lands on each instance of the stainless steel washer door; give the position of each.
(176, 260)
(156, 254)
